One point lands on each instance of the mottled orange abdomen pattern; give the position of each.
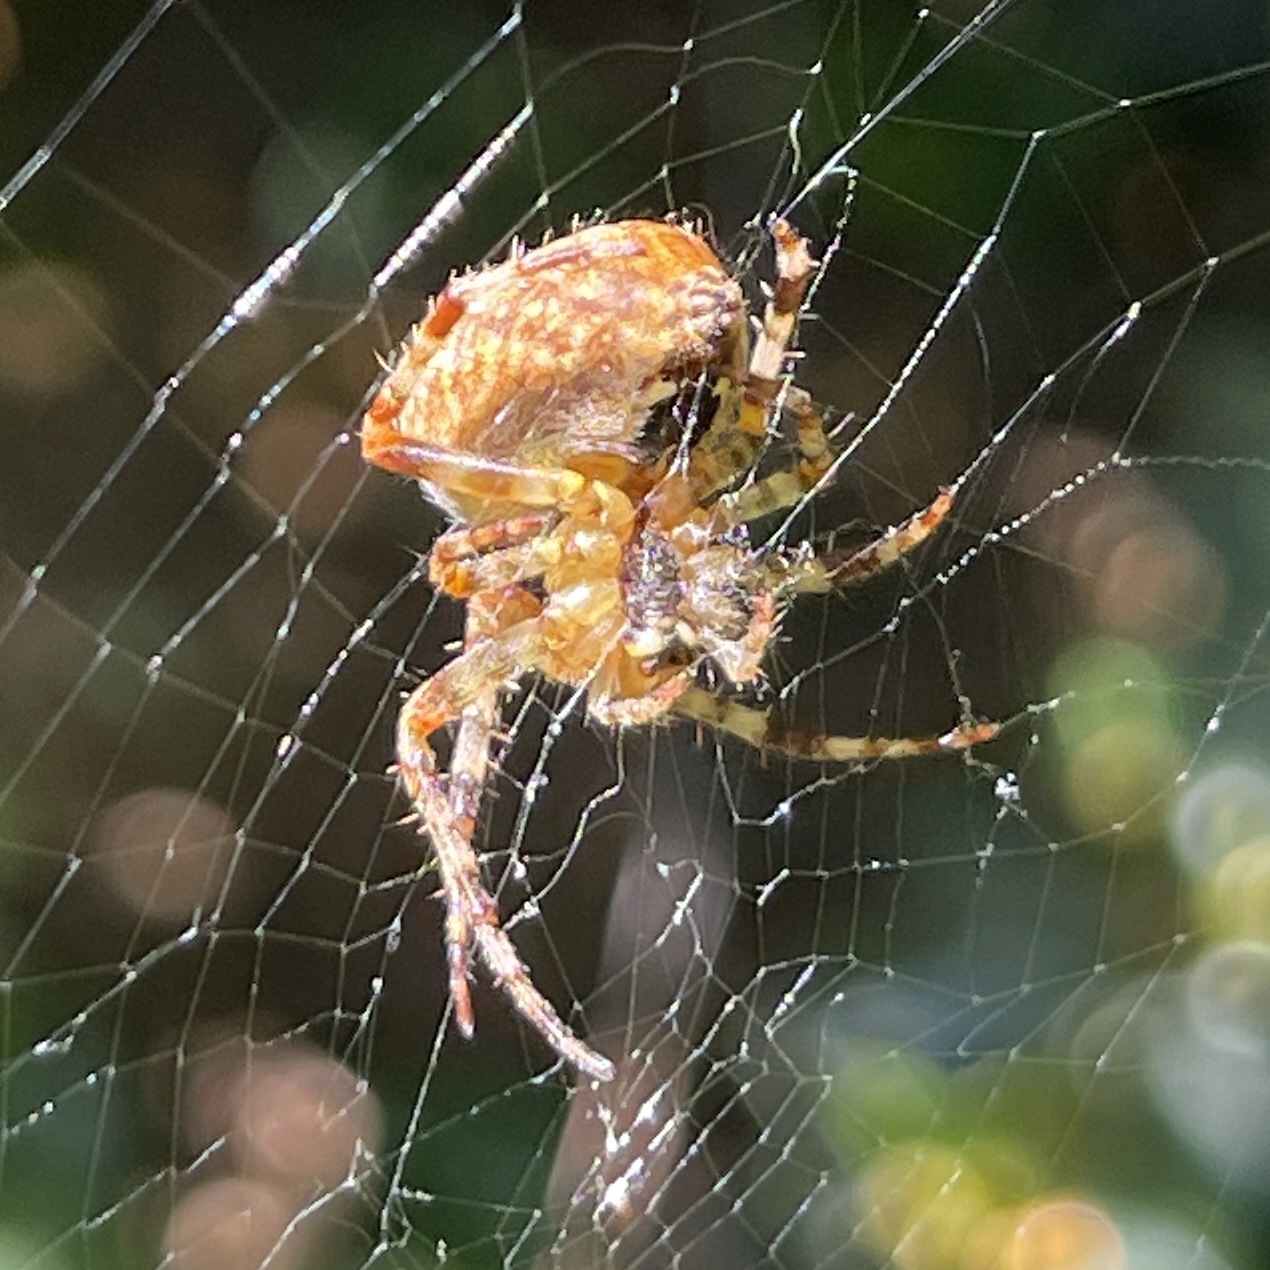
(560, 351)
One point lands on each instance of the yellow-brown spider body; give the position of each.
(555, 356)
(519, 403)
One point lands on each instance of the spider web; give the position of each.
(998, 1008)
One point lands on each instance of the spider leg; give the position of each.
(465, 541)
(458, 474)
(820, 573)
(732, 443)
(488, 557)
(760, 729)
(466, 689)
(503, 639)
(791, 575)
(734, 440)
(787, 486)
(455, 478)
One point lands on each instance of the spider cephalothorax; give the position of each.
(522, 404)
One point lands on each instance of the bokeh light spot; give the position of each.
(52, 319)
(167, 852)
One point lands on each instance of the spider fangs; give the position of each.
(520, 403)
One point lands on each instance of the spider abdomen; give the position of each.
(561, 351)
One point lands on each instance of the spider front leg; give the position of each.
(820, 573)
(734, 440)
(732, 443)
(794, 574)
(504, 636)
(788, 486)
(449, 806)
(759, 728)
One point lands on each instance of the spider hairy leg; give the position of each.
(450, 472)
(788, 486)
(487, 557)
(794, 271)
(736, 436)
(448, 807)
(819, 574)
(758, 728)
(504, 631)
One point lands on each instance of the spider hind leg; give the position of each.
(502, 638)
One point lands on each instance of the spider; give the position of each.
(589, 550)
